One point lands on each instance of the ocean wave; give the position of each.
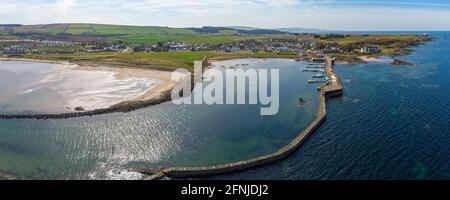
(115, 174)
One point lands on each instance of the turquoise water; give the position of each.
(103, 146)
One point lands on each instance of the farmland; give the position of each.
(101, 29)
(141, 34)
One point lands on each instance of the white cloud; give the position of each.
(263, 13)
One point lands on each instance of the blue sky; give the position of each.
(326, 14)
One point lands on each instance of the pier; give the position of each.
(332, 89)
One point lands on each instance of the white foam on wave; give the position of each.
(26, 91)
(115, 174)
(58, 74)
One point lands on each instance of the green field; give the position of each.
(160, 60)
(103, 29)
(388, 45)
(205, 39)
(371, 39)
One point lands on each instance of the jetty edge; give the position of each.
(332, 89)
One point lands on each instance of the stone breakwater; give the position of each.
(122, 107)
(332, 89)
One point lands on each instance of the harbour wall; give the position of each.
(181, 172)
(332, 89)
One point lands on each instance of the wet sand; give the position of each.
(121, 73)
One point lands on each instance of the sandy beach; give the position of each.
(375, 59)
(90, 87)
(122, 73)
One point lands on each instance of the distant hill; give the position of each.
(304, 30)
(288, 30)
(245, 28)
(95, 29)
(256, 31)
(118, 30)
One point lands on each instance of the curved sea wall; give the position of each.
(332, 89)
(255, 162)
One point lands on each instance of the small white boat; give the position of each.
(319, 76)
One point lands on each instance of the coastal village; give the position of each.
(303, 45)
(35, 46)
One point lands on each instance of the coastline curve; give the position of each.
(122, 107)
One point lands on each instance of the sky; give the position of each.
(348, 15)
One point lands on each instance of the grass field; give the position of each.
(206, 39)
(371, 39)
(103, 29)
(160, 60)
(100, 29)
(388, 45)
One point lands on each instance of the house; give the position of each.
(234, 49)
(331, 50)
(369, 49)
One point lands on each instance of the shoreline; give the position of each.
(150, 98)
(376, 59)
(159, 94)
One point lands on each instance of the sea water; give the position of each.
(105, 146)
(392, 123)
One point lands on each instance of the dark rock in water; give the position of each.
(79, 109)
(401, 62)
